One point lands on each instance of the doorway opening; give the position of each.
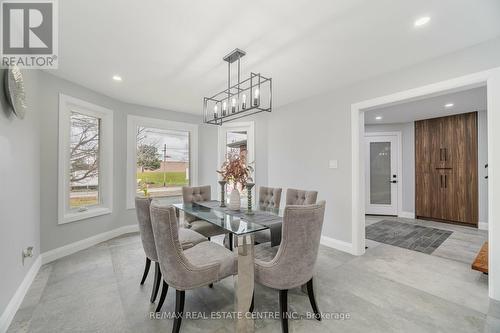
(489, 79)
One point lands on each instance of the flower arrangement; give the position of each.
(236, 169)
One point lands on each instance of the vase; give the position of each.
(235, 200)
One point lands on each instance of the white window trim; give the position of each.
(66, 105)
(132, 123)
(248, 126)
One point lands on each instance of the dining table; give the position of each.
(241, 225)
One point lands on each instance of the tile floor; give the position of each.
(389, 289)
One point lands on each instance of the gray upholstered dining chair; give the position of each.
(300, 197)
(269, 197)
(198, 266)
(292, 264)
(198, 194)
(188, 238)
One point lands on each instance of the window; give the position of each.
(161, 158)
(237, 138)
(85, 159)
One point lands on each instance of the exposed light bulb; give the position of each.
(215, 111)
(244, 102)
(233, 105)
(256, 98)
(224, 108)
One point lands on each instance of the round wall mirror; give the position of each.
(14, 91)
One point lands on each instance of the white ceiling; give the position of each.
(169, 53)
(432, 107)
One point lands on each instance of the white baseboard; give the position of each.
(408, 215)
(337, 244)
(482, 225)
(52, 255)
(83, 244)
(17, 299)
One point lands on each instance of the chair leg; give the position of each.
(230, 241)
(284, 310)
(312, 299)
(163, 294)
(156, 284)
(211, 285)
(146, 270)
(208, 239)
(252, 305)
(179, 310)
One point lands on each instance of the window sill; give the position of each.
(166, 200)
(77, 216)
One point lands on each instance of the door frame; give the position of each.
(490, 79)
(398, 135)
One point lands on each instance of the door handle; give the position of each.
(445, 156)
(445, 181)
(393, 181)
(441, 178)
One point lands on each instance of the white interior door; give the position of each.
(382, 158)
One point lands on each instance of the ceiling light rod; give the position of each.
(231, 103)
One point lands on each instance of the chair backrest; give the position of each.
(177, 271)
(300, 197)
(195, 194)
(269, 197)
(145, 229)
(294, 263)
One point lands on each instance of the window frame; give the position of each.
(67, 104)
(133, 122)
(248, 126)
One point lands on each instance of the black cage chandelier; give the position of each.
(247, 97)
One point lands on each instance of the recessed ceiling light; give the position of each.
(449, 105)
(117, 78)
(422, 21)
(378, 117)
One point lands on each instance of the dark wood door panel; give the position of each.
(446, 168)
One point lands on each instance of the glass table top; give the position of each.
(235, 222)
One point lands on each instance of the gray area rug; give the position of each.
(408, 236)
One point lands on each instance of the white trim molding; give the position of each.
(337, 244)
(482, 225)
(49, 256)
(408, 215)
(132, 123)
(490, 79)
(17, 299)
(68, 104)
(83, 244)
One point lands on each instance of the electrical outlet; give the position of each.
(27, 253)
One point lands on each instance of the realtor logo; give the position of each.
(29, 33)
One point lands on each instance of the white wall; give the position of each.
(482, 160)
(407, 178)
(304, 135)
(19, 189)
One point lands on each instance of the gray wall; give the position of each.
(304, 135)
(408, 168)
(20, 189)
(54, 235)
